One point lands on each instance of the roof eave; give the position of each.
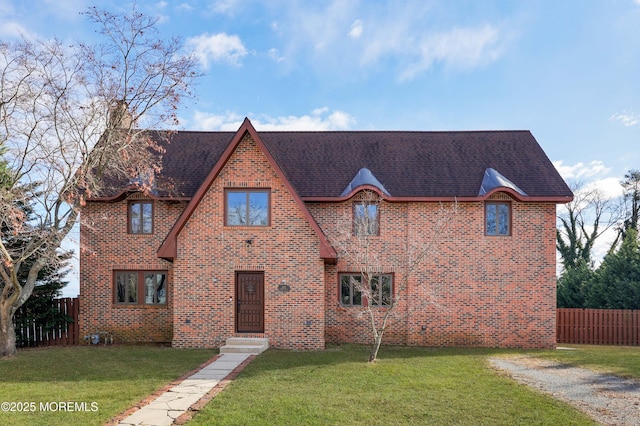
(556, 199)
(124, 193)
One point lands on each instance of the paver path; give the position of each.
(173, 403)
(608, 399)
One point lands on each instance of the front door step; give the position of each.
(245, 345)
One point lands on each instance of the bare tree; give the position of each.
(631, 185)
(371, 289)
(71, 119)
(589, 215)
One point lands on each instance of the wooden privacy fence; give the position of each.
(31, 331)
(598, 326)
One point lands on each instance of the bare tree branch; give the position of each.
(73, 121)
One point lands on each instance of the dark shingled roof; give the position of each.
(407, 163)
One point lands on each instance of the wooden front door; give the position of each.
(250, 302)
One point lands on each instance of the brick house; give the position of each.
(243, 245)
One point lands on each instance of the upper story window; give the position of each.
(366, 220)
(140, 217)
(140, 287)
(247, 207)
(497, 218)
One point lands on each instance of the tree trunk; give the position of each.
(376, 347)
(7, 336)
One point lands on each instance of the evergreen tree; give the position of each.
(616, 283)
(573, 285)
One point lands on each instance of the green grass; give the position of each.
(405, 386)
(336, 386)
(619, 360)
(113, 377)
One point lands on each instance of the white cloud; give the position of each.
(628, 119)
(319, 119)
(185, 6)
(416, 37)
(216, 122)
(13, 29)
(581, 171)
(227, 7)
(219, 47)
(463, 48)
(275, 55)
(609, 188)
(356, 29)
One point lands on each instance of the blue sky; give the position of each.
(568, 71)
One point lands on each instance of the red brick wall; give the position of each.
(476, 291)
(210, 253)
(106, 246)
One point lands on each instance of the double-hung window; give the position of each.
(140, 287)
(247, 207)
(140, 217)
(497, 218)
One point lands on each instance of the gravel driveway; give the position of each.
(608, 399)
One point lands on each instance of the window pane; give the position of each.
(149, 288)
(349, 293)
(126, 287)
(132, 288)
(491, 219)
(503, 219)
(375, 291)
(161, 288)
(258, 208)
(356, 280)
(147, 218)
(365, 219)
(345, 290)
(236, 208)
(154, 288)
(121, 288)
(386, 290)
(381, 290)
(135, 215)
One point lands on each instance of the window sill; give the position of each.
(138, 306)
(246, 227)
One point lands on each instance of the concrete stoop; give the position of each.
(245, 345)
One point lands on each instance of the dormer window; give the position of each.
(140, 217)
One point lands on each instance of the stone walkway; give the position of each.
(177, 404)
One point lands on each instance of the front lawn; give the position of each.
(405, 386)
(96, 382)
(336, 386)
